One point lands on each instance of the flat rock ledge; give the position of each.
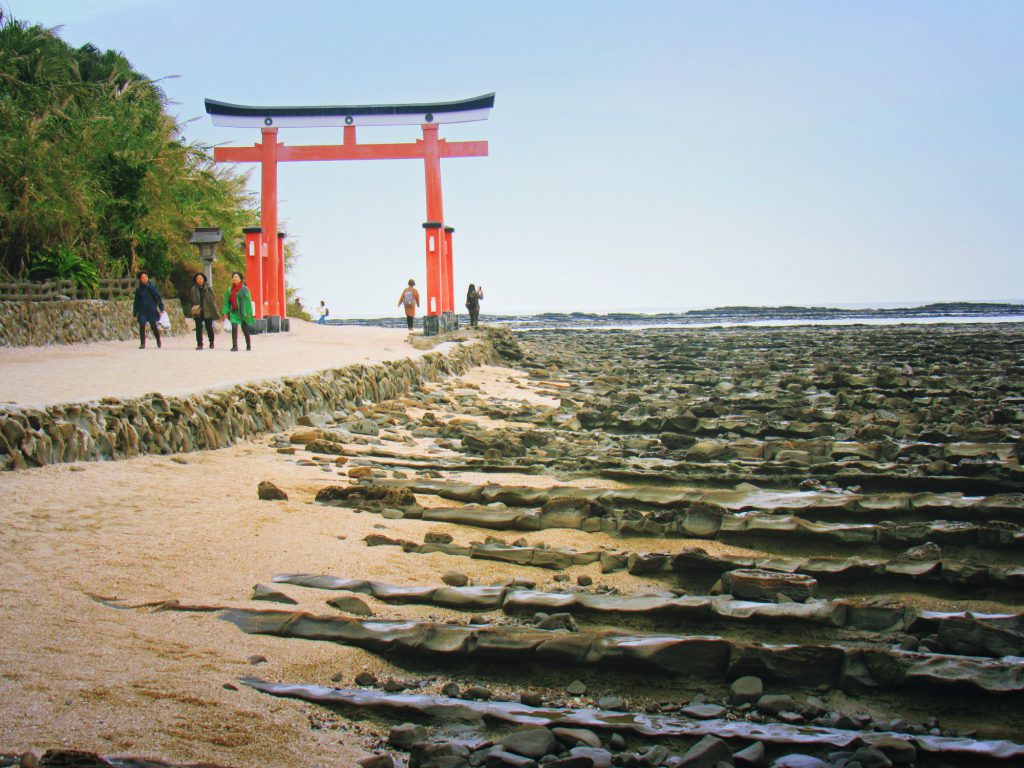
(113, 429)
(960, 632)
(810, 505)
(693, 519)
(699, 656)
(805, 738)
(897, 571)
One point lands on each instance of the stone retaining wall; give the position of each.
(39, 323)
(119, 429)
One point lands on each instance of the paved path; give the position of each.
(38, 376)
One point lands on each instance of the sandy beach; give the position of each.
(163, 684)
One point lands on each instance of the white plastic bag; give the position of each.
(164, 321)
(227, 325)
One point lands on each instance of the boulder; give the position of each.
(598, 757)
(703, 520)
(794, 760)
(705, 450)
(752, 757)
(453, 578)
(765, 585)
(304, 436)
(350, 604)
(329, 447)
(267, 491)
(499, 758)
(263, 592)
(531, 741)
(363, 427)
(773, 703)
(707, 753)
(405, 735)
(572, 737)
(746, 689)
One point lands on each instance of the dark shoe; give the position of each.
(234, 349)
(158, 345)
(199, 347)
(142, 346)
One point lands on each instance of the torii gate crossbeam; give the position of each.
(266, 268)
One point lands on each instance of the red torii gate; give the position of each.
(265, 265)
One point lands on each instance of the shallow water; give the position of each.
(730, 317)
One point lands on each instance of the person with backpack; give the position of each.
(322, 313)
(473, 297)
(410, 299)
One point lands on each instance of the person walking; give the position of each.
(473, 297)
(410, 299)
(147, 308)
(204, 308)
(238, 308)
(322, 313)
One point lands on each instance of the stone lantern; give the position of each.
(206, 238)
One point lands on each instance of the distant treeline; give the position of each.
(786, 312)
(96, 179)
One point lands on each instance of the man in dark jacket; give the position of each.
(147, 308)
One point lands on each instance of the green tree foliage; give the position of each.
(91, 165)
(65, 263)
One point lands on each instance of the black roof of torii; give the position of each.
(364, 114)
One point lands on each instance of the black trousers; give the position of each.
(409, 320)
(200, 323)
(474, 317)
(245, 332)
(142, 332)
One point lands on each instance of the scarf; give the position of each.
(234, 296)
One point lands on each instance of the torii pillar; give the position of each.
(268, 282)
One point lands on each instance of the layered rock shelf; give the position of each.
(694, 560)
(700, 656)
(809, 505)
(437, 709)
(956, 632)
(695, 519)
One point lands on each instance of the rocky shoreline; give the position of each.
(844, 461)
(786, 548)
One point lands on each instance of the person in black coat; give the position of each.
(147, 308)
(473, 296)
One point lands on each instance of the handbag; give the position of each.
(196, 309)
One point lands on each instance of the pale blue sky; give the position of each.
(652, 154)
